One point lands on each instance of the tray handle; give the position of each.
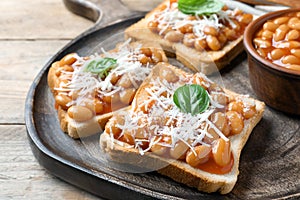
(102, 12)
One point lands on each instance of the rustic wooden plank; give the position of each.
(12, 101)
(20, 62)
(21, 177)
(34, 19)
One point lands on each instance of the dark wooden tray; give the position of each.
(269, 166)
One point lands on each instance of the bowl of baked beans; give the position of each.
(272, 43)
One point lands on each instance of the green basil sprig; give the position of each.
(192, 99)
(101, 67)
(198, 7)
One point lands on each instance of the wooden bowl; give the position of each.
(277, 86)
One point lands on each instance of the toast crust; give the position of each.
(180, 171)
(206, 62)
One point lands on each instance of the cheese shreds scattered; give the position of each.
(85, 84)
(163, 119)
(172, 17)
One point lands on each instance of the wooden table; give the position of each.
(31, 32)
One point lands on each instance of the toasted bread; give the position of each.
(206, 60)
(95, 122)
(120, 151)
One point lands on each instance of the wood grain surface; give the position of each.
(31, 32)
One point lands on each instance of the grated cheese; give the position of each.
(165, 119)
(86, 83)
(172, 17)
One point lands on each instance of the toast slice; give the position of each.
(204, 43)
(200, 150)
(88, 89)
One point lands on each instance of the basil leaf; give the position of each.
(101, 67)
(191, 99)
(199, 7)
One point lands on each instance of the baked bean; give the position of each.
(296, 52)
(80, 113)
(294, 44)
(191, 17)
(145, 59)
(219, 119)
(276, 54)
(158, 149)
(290, 59)
(225, 7)
(126, 96)
(230, 34)
(114, 78)
(289, 44)
(292, 21)
(112, 128)
(221, 152)
(202, 155)
(65, 68)
(212, 135)
(236, 106)
(209, 30)
(174, 36)
(189, 40)
(179, 150)
(213, 43)
(296, 26)
(270, 26)
(127, 137)
(188, 28)
(124, 81)
(165, 31)
(292, 35)
(219, 97)
(262, 43)
(146, 51)
(222, 38)
(267, 35)
(281, 32)
(153, 26)
(168, 75)
(200, 45)
(74, 94)
(221, 122)
(63, 100)
(261, 52)
(140, 133)
(249, 111)
(237, 26)
(114, 98)
(237, 12)
(96, 106)
(162, 7)
(157, 56)
(246, 18)
(236, 122)
(281, 20)
(68, 59)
